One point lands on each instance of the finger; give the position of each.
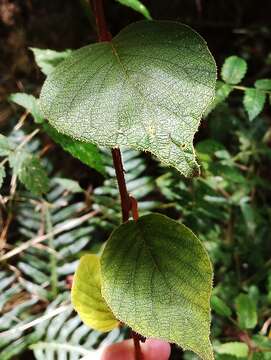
(156, 349)
(152, 350)
(122, 350)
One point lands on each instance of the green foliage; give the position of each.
(2, 175)
(6, 146)
(48, 59)
(233, 70)
(254, 102)
(33, 175)
(29, 102)
(263, 84)
(164, 277)
(88, 153)
(236, 349)
(86, 295)
(25, 166)
(246, 311)
(113, 73)
(137, 6)
(219, 306)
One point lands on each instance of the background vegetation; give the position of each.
(54, 208)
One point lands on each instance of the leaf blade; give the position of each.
(253, 101)
(156, 303)
(233, 70)
(123, 101)
(137, 6)
(87, 298)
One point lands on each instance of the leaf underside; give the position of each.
(147, 89)
(157, 278)
(86, 295)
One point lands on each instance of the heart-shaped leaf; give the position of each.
(157, 278)
(146, 89)
(86, 295)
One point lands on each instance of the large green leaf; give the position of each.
(147, 89)
(157, 278)
(87, 298)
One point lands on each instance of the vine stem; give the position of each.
(127, 203)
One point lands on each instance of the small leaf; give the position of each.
(219, 306)
(16, 160)
(237, 349)
(253, 102)
(157, 278)
(5, 146)
(246, 311)
(233, 70)
(147, 89)
(30, 103)
(263, 84)
(2, 175)
(33, 176)
(88, 153)
(87, 298)
(222, 92)
(137, 6)
(48, 59)
(69, 185)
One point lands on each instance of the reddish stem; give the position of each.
(103, 33)
(134, 207)
(124, 196)
(138, 352)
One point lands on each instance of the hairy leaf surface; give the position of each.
(87, 298)
(147, 89)
(157, 278)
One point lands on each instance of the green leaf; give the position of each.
(70, 185)
(87, 298)
(29, 171)
(233, 70)
(237, 349)
(263, 84)
(2, 175)
(16, 160)
(147, 89)
(30, 103)
(88, 153)
(5, 146)
(137, 6)
(33, 176)
(157, 278)
(219, 306)
(48, 59)
(222, 92)
(253, 102)
(246, 311)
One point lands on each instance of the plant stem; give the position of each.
(124, 196)
(103, 33)
(138, 352)
(127, 203)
